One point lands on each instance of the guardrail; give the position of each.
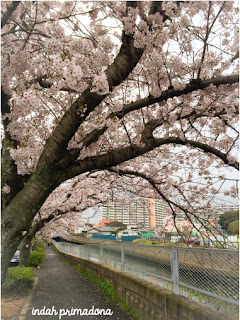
(207, 275)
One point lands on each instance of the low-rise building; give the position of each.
(99, 230)
(185, 227)
(106, 230)
(128, 232)
(88, 232)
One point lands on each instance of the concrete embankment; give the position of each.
(149, 301)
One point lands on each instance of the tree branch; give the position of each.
(171, 203)
(171, 93)
(117, 72)
(117, 156)
(8, 166)
(8, 13)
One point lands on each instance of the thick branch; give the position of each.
(8, 166)
(204, 147)
(8, 13)
(235, 57)
(171, 93)
(117, 156)
(117, 72)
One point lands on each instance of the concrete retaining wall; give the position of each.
(149, 301)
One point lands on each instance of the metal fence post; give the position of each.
(175, 271)
(88, 252)
(122, 258)
(101, 254)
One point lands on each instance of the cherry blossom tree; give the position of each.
(139, 91)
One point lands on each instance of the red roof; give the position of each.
(102, 223)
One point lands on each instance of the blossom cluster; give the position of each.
(65, 56)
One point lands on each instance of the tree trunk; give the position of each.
(27, 244)
(25, 248)
(18, 215)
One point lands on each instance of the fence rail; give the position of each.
(192, 272)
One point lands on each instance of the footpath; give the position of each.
(63, 293)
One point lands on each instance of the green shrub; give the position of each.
(37, 244)
(41, 244)
(40, 249)
(219, 245)
(233, 227)
(36, 257)
(19, 277)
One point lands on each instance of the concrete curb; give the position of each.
(24, 310)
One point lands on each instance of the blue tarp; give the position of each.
(105, 236)
(130, 238)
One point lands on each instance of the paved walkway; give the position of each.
(61, 289)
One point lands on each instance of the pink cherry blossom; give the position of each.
(110, 100)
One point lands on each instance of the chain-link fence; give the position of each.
(207, 275)
(212, 271)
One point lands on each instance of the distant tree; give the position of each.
(119, 229)
(233, 228)
(186, 232)
(227, 218)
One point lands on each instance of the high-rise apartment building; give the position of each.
(205, 215)
(221, 209)
(146, 213)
